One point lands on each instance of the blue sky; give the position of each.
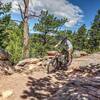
(78, 11)
(89, 8)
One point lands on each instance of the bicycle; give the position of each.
(59, 62)
(64, 58)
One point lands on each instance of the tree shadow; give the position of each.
(65, 87)
(43, 88)
(93, 69)
(60, 75)
(79, 89)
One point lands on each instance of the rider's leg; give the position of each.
(69, 57)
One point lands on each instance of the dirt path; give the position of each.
(39, 85)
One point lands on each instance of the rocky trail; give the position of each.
(80, 82)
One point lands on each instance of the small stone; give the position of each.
(31, 67)
(60, 85)
(86, 74)
(7, 93)
(39, 63)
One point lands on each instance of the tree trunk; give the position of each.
(45, 38)
(26, 31)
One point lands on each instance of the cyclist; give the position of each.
(67, 48)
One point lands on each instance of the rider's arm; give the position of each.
(58, 44)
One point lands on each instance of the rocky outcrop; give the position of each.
(29, 65)
(5, 64)
(34, 64)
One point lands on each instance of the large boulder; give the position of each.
(28, 61)
(27, 64)
(31, 65)
(78, 54)
(4, 55)
(6, 67)
(52, 53)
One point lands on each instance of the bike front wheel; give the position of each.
(52, 65)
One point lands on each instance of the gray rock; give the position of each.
(78, 54)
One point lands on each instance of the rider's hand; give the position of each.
(56, 46)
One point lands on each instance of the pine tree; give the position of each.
(94, 34)
(80, 38)
(4, 23)
(48, 24)
(14, 46)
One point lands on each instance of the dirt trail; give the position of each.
(39, 85)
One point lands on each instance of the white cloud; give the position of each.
(14, 6)
(60, 8)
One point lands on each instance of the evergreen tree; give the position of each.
(48, 24)
(37, 48)
(80, 38)
(14, 46)
(4, 23)
(94, 34)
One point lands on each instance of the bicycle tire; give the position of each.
(70, 61)
(52, 65)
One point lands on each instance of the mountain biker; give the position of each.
(68, 48)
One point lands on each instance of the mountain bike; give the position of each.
(58, 62)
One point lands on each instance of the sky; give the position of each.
(78, 12)
(89, 8)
